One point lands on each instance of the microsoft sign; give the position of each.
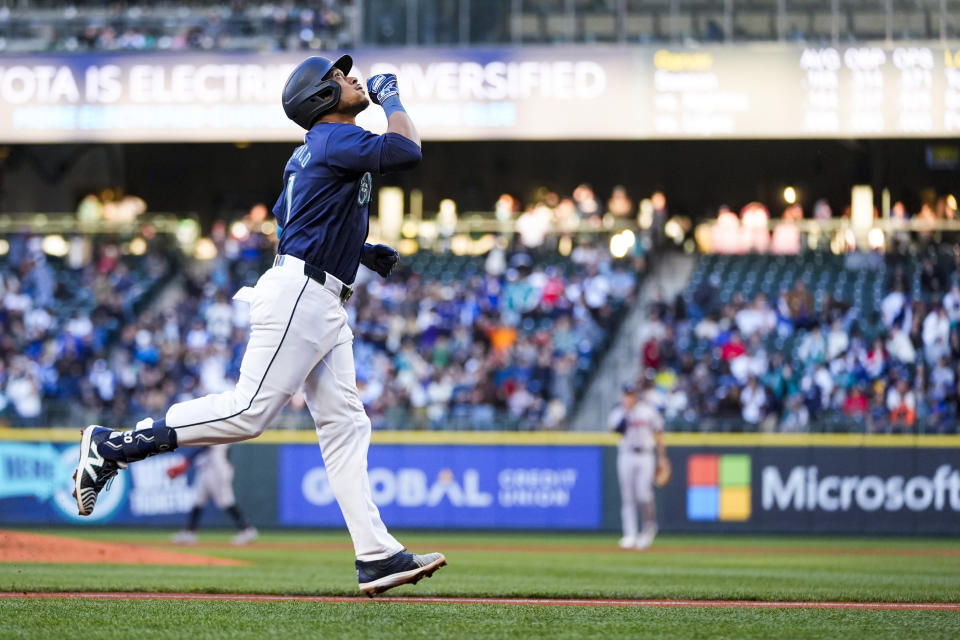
(804, 489)
(813, 489)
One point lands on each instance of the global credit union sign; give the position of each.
(455, 486)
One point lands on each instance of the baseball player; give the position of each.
(638, 453)
(299, 337)
(214, 481)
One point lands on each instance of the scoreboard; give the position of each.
(622, 92)
(857, 91)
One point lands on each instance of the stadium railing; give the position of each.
(838, 235)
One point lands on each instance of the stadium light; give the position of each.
(790, 195)
(621, 243)
(409, 229)
(427, 231)
(645, 215)
(407, 247)
(205, 249)
(239, 230)
(138, 246)
(673, 230)
(390, 212)
(187, 231)
(55, 245)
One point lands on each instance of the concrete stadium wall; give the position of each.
(562, 481)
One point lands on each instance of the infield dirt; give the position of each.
(32, 548)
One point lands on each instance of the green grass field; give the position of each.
(507, 565)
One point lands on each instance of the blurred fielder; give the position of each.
(299, 338)
(641, 458)
(213, 481)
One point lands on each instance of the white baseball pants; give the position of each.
(635, 472)
(299, 338)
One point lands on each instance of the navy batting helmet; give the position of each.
(309, 93)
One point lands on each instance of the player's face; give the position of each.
(353, 99)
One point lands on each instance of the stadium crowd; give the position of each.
(59, 318)
(808, 361)
(507, 339)
(98, 25)
(503, 340)
(152, 26)
(497, 348)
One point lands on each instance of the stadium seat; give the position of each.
(560, 27)
(911, 22)
(754, 25)
(641, 27)
(528, 26)
(599, 27)
(870, 25)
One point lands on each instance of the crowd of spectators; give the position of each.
(506, 339)
(189, 344)
(495, 348)
(750, 232)
(165, 27)
(548, 214)
(58, 318)
(481, 351)
(500, 340)
(219, 24)
(803, 362)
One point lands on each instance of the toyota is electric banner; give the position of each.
(769, 90)
(455, 486)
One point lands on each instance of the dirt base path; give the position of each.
(728, 604)
(31, 547)
(657, 549)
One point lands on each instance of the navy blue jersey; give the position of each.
(323, 211)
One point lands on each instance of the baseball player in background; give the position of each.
(639, 453)
(299, 337)
(213, 481)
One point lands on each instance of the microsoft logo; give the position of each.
(718, 487)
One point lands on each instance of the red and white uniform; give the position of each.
(636, 459)
(214, 479)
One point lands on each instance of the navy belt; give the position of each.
(317, 274)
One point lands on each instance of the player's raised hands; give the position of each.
(382, 87)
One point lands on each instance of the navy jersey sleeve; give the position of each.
(353, 149)
(399, 153)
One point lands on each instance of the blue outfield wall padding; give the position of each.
(891, 488)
